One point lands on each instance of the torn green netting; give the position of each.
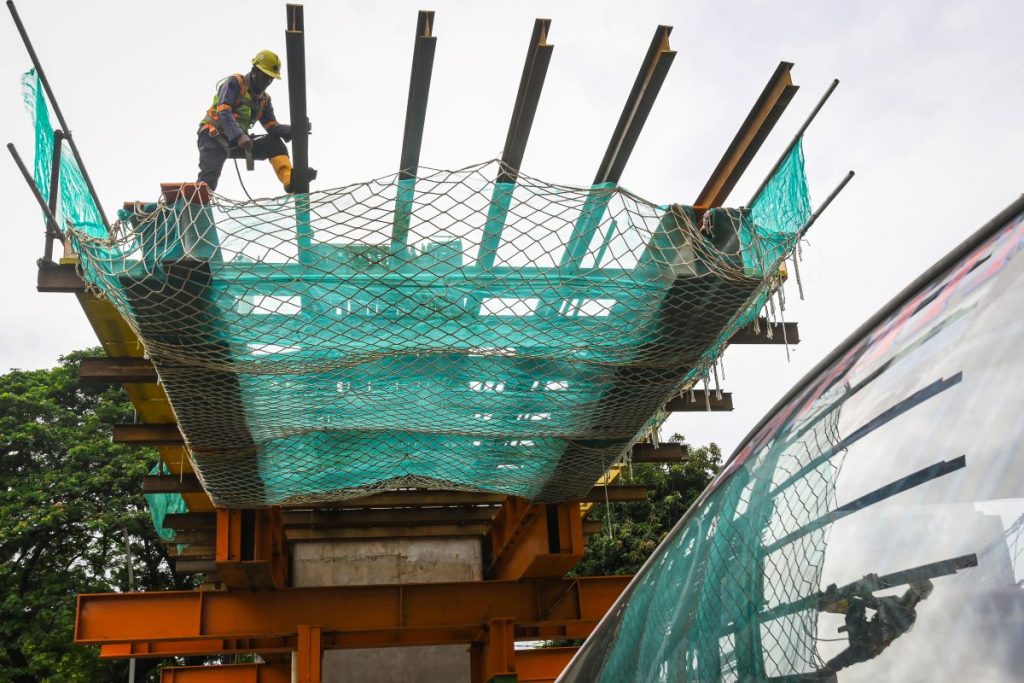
(76, 206)
(163, 504)
(444, 331)
(780, 209)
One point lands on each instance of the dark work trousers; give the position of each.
(213, 154)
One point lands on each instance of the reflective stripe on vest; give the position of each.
(246, 112)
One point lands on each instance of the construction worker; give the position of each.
(894, 616)
(240, 102)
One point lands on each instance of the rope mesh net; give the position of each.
(440, 331)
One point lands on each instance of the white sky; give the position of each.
(930, 113)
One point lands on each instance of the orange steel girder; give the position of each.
(494, 658)
(309, 656)
(352, 616)
(535, 540)
(251, 549)
(228, 673)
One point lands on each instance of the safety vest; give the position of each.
(247, 112)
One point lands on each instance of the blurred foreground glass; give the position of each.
(872, 528)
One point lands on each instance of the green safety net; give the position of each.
(76, 206)
(163, 504)
(442, 331)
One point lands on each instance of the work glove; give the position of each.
(282, 131)
(243, 142)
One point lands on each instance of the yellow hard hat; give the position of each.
(268, 62)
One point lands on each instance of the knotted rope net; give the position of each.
(443, 331)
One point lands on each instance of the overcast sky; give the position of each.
(929, 113)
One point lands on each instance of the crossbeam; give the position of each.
(767, 333)
(703, 401)
(333, 519)
(144, 434)
(666, 452)
(59, 279)
(171, 483)
(124, 369)
(393, 531)
(356, 616)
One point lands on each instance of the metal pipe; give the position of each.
(56, 110)
(58, 137)
(796, 139)
(50, 218)
(295, 43)
(824, 204)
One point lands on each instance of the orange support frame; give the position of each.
(228, 673)
(349, 616)
(495, 660)
(535, 540)
(251, 549)
(309, 656)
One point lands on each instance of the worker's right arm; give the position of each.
(228, 92)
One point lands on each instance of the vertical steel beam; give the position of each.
(56, 110)
(412, 138)
(496, 660)
(419, 89)
(763, 116)
(538, 58)
(295, 44)
(309, 656)
(634, 114)
(638, 106)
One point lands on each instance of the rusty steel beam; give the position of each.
(357, 616)
(703, 401)
(62, 279)
(191, 521)
(538, 57)
(121, 370)
(171, 483)
(419, 91)
(665, 452)
(767, 333)
(766, 111)
(616, 494)
(188, 565)
(148, 434)
(638, 107)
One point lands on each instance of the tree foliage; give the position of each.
(68, 496)
(637, 528)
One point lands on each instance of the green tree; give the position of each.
(637, 528)
(68, 496)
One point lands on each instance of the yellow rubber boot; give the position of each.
(283, 168)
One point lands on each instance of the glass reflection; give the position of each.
(871, 530)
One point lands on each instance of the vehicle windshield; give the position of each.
(872, 528)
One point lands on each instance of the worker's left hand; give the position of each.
(282, 131)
